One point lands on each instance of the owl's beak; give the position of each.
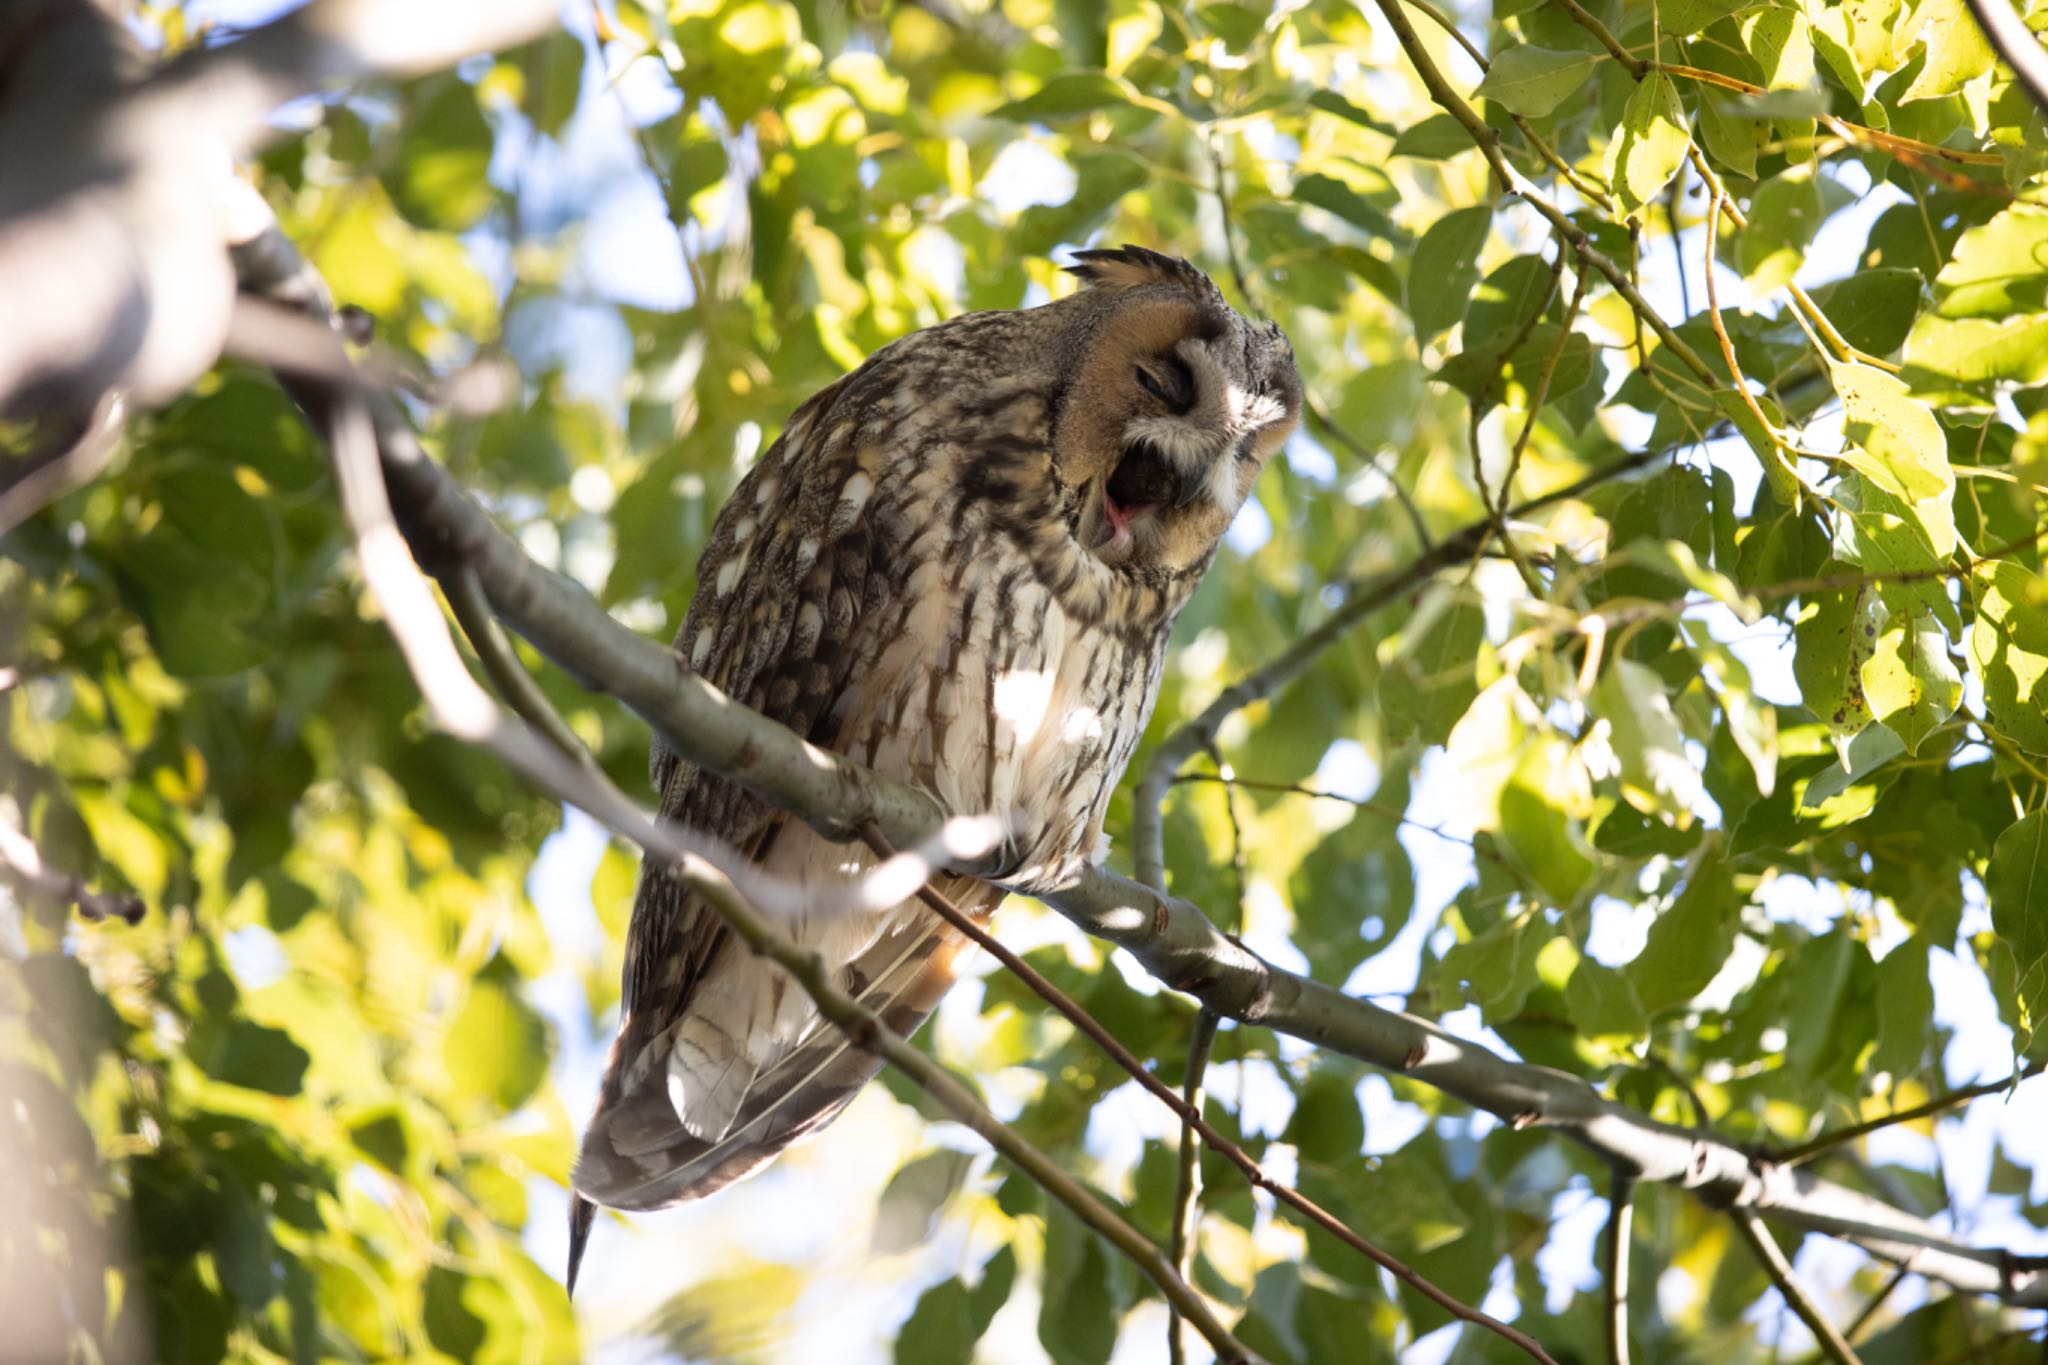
(1147, 477)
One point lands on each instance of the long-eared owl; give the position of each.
(958, 565)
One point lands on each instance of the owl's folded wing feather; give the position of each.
(786, 591)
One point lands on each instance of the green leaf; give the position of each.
(1688, 942)
(1646, 150)
(1898, 446)
(2008, 649)
(1784, 214)
(1351, 894)
(1957, 52)
(1534, 80)
(1980, 350)
(1871, 748)
(1326, 1125)
(248, 1054)
(1657, 776)
(1909, 681)
(1436, 138)
(1330, 102)
(554, 79)
(1873, 309)
(1782, 46)
(950, 1318)
(1540, 809)
(1602, 1003)
(1998, 268)
(1908, 544)
(2017, 884)
(1077, 1324)
(1833, 635)
(1065, 95)
(1905, 1024)
(1445, 268)
(1730, 137)
(496, 1047)
(1506, 299)
(441, 177)
(915, 1197)
(1347, 203)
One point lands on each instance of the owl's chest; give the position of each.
(997, 700)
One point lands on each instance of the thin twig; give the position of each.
(1780, 1270)
(1829, 1141)
(513, 683)
(1488, 143)
(1620, 1205)
(1869, 1311)
(1319, 416)
(1192, 1117)
(1362, 597)
(75, 458)
(1187, 1190)
(23, 862)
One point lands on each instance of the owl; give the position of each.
(958, 565)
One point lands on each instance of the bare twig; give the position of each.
(1620, 1204)
(1191, 1116)
(1877, 1300)
(513, 683)
(1780, 1270)
(22, 861)
(1187, 1189)
(1940, 1104)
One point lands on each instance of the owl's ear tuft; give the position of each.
(1128, 266)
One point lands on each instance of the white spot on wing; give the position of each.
(852, 498)
(810, 623)
(729, 574)
(1022, 696)
(806, 553)
(700, 649)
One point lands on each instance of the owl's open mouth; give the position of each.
(1143, 482)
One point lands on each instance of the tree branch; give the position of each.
(1620, 1206)
(1183, 1232)
(1758, 1236)
(2012, 40)
(1189, 1111)
(22, 861)
(1824, 1143)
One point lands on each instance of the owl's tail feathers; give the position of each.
(581, 1213)
(637, 1153)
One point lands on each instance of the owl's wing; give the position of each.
(791, 580)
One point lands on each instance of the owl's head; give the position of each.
(1171, 405)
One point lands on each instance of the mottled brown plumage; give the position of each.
(958, 565)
